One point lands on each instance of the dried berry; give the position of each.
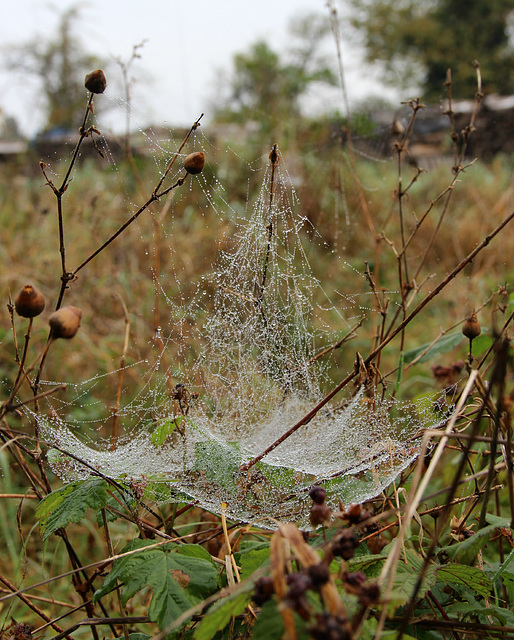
(344, 544)
(95, 81)
(370, 594)
(356, 514)
(317, 494)
(318, 574)
(65, 322)
(354, 580)
(194, 162)
(263, 590)
(330, 627)
(320, 514)
(29, 302)
(471, 327)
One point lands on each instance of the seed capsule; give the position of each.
(95, 81)
(65, 322)
(194, 162)
(317, 494)
(471, 327)
(29, 302)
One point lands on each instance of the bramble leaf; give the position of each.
(473, 578)
(443, 345)
(70, 503)
(180, 576)
(220, 614)
(466, 551)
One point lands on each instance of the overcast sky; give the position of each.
(187, 44)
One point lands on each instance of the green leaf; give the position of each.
(252, 560)
(70, 503)
(135, 636)
(269, 624)
(220, 614)
(498, 521)
(165, 429)
(473, 578)
(443, 345)
(180, 576)
(407, 575)
(465, 609)
(467, 550)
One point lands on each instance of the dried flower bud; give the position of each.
(194, 162)
(95, 81)
(263, 590)
(320, 514)
(29, 302)
(319, 574)
(471, 327)
(317, 494)
(65, 322)
(344, 544)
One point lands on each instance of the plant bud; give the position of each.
(194, 162)
(95, 81)
(29, 302)
(65, 322)
(317, 494)
(320, 514)
(471, 327)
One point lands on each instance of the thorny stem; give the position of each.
(307, 418)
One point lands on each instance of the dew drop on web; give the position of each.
(252, 375)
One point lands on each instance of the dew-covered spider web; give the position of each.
(248, 368)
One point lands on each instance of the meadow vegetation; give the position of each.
(409, 255)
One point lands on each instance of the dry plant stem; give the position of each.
(274, 159)
(418, 488)
(32, 606)
(122, 371)
(21, 362)
(110, 548)
(307, 418)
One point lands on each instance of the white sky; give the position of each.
(187, 44)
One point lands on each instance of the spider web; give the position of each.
(254, 372)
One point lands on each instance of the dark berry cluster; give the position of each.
(330, 627)
(356, 583)
(344, 543)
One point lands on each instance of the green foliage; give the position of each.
(70, 503)
(164, 430)
(419, 42)
(221, 613)
(443, 345)
(180, 576)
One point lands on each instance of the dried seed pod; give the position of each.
(65, 322)
(263, 590)
(317, 494)
(29, 302)
(320, 514)
(319, 574)
(95, 81)
(471, 327)
(194, 162)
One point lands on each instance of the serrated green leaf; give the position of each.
(407, 575)
(498, 521)
(252, 560)
(465, 609)
(443, 345)
(466, 551)
(220, 614)
(473, 578)
(135, 636)
(165, 429)
(361, 563)
(179, 575)
(70, 503)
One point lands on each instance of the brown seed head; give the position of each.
(471, 327)
(320, 514)
(95, 81)
(194, 162)
(65, 322)
(29, 302)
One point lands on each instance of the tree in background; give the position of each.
(59, 64)
(418, 41)
(266, 87)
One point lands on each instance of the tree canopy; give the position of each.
(59, 63)
(266, 87)
(418, 42)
